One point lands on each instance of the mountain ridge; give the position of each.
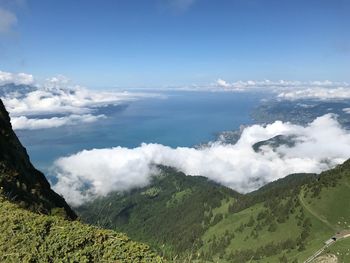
(276, 223)
(19, 179)
(36, 223)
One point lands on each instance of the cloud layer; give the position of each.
(97, 172)
(29, 103)
(23, 122)
(17, 79)
(291, 90)
(319, 93)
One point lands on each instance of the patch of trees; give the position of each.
(179, 227)
(218, 245)
(280, 189)
(268, 250)
(328, 179)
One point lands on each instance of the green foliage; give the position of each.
(29, 237)
(152, 192)
(173, 221)
(193, 216)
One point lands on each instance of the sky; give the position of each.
(158, 43)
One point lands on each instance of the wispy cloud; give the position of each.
(8, 21)
(178, 6)
(97, 172)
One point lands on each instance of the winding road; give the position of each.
(340, 236)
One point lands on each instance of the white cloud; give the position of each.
(7, 20)
(223, 83)
(320, 93)
(346, 110)
(18, 79)
(277, 85)
(290, 90)
(237, 166)
(55, 96)
(22, 122)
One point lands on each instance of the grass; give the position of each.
(333, 205)
(341, 249)
(30, 237)
(324, 212)
(235, 228)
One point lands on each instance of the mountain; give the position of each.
(191, 217)
(172, 213)
(20, 181)
(37, 225)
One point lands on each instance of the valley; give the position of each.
(189, 217)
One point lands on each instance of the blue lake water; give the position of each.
(181, 119)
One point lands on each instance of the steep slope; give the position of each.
(20, 181)
(30, 237)
(284, 221)
(171, 214)
(44, 234)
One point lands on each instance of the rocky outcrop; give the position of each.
(20, 182)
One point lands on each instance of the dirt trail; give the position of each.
(319, 217)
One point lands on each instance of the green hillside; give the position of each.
(284, 221)
(30, 237)
(171, 214)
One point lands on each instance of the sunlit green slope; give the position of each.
(284, 221)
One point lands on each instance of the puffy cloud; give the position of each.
(17, 79)
(97, 172)
(223, 83)
(23, 122)
(7, 20)
(55, 97)
(75, 100)
(320, 93)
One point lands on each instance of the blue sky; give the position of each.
(148, 43)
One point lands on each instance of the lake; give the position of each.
(183, 118)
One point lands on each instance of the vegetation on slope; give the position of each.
(46, 235)
(284, 221)
(30, 237)
(171, 214)
(21, 182)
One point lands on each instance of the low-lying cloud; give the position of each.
(318, 93)
(17, 79)
(23, 122)
(291, 90)
(320, 145)
(29, 103)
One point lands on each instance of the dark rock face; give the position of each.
(20, 181)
